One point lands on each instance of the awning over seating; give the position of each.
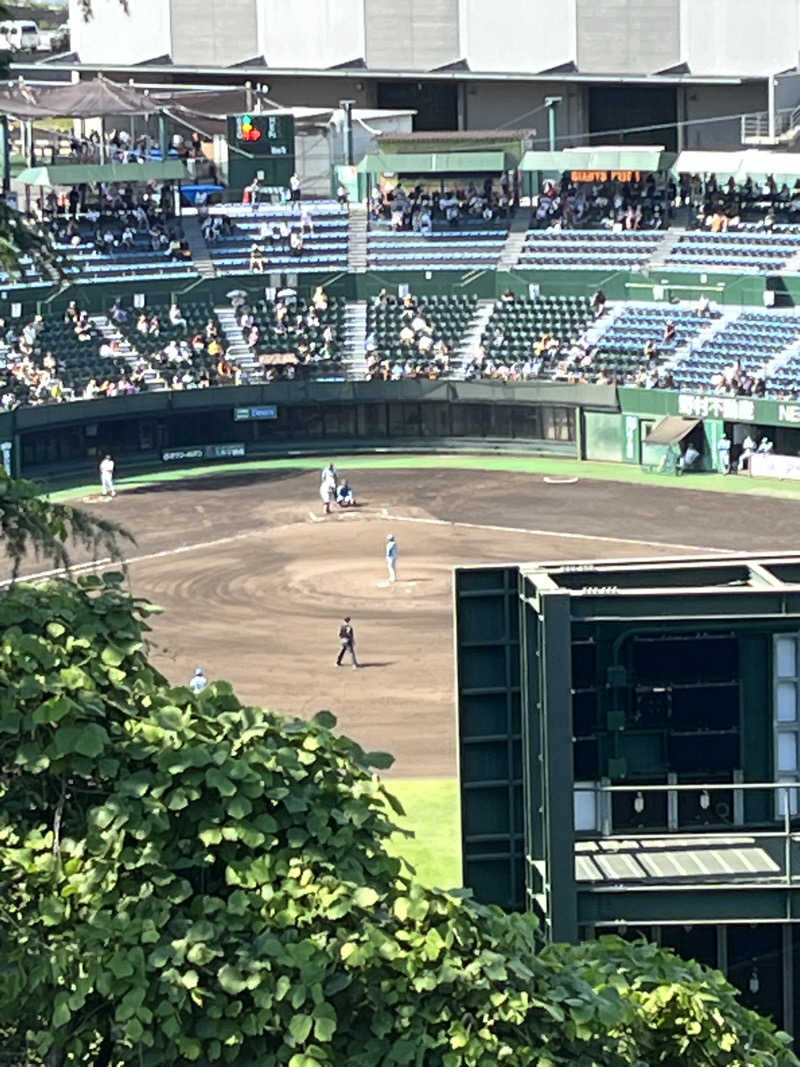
(671, 430)
(753, 163)
(418, 163)
(645, 159)
(723, 164)
(79, 173)
(86, 99)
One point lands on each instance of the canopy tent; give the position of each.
(671, 430)
(87, 100)
(419, 163)
(608, 159)
(91, 173)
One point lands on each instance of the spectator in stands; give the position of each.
(296, 242)
(176, 318)
(669, 331)
(295, 189)
(703, 306)
(256, 260)
(342, 196)
(598, 303)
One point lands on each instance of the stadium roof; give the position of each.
(79, 173)
(418, 163)
(89, 99)
(753, 163)
(602, 158)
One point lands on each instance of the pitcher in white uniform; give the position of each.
(107, 476)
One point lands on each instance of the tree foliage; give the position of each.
(185, 880)
(30, 524)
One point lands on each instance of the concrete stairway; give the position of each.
(110, 334)
(357, 239)
(197, 246)
(663, 250)
(355, 335)
(515, 241)
(238, 352)
(469, 345)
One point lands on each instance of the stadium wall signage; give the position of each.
(182, 455)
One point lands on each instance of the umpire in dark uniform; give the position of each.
(347, 642)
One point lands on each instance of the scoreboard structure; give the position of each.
(629, 755)
(260, 143)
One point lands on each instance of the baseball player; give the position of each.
(327, 492)
(347, 642)
(391, 557)
(107, 476)
(199, 681)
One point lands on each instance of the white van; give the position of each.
(20, 36)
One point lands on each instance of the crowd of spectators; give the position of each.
(720, 206)
(403, 341)
(287, 235)
(175, 351)
(419, 209)
(114, 218)
(36, 366)
(290, 336)
(613, 205)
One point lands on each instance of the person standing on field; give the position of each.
(107, 476)
(391, 557)
(347, 642)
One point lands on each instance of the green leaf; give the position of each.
(381, 760)
(230, 979)
(365, 897)
(300, 1027)
(111, 656)
(325, 719)
(61, 1012)
(219, 781)
(91, 741)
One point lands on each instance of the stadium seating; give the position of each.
(325, 248)
(620, 346)
(551, 249)
(78, 361)
(752, 338)
(751, 252)
(197, 316)
(516, 326)
(297, 339)
(447, 248)
(447, 315)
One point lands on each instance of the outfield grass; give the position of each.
(431, 806)
(614, 472)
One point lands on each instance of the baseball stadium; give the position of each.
(538, 331)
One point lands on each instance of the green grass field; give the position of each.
(431, 806)
(613, 472)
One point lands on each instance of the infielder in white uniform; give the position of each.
(391, 557)
(107, 476)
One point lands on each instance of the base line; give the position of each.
(384, 514)
(552, 533)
